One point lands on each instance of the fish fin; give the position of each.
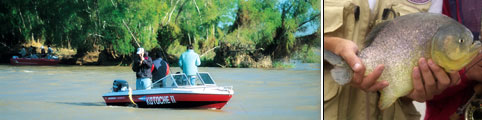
(341, 72)
(386, 101)
(332, 58)
(341, 75)
(373, 33)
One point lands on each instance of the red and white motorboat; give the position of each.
(172, 91)
(33, 61)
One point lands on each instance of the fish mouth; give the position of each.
(476, 45)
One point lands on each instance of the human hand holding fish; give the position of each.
(474, 71)
(347, 50)
(429, 80)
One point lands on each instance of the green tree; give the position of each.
(126, 23)
(273, 24)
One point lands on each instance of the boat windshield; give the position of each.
(164, 82)
(172, 80)
(206, 78)
(181, 79)
(176, 80)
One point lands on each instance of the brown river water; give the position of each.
(74, 92)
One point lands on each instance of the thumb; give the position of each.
(354, 61)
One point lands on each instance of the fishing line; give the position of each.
(138, 45)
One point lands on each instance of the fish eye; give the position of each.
(461, 40)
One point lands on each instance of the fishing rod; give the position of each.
(138, 45)
(128, 29)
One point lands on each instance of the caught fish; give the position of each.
(401, 42)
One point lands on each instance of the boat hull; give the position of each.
(33, 61)
(179, 100)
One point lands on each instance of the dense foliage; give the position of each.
(120, 26)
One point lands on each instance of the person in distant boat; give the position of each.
(49, 52)
(23, 52)
(33, 52)
(29, 52)
(161, 69)
(188, 62)
(142, 66)
(42, 52)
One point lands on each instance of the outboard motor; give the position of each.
(120, 86)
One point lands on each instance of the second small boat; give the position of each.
(33, 61)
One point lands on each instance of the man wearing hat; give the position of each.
(142, 66)
(42, 52)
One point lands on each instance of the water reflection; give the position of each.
(83, 103)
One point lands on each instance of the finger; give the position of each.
(378, 86)
(418, 93)
(428, 79)
(371, 78)
(443, 80)
(356, 65)
(455, 78)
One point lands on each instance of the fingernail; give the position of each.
(385, 83)
(356, 66)
(424, 62)
(430, 62)
(382, 66)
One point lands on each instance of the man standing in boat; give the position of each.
(161, 69)
(142, 66)
(188, 62)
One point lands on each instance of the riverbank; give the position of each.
(226, 56)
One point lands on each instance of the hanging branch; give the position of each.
(115, 6)
(197, 7)
(189, 36)
(181, 8)
(172, 11)
(208, 51)
(309, 20)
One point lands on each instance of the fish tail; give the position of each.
(342, 75)
(386, 101)
(342, 72)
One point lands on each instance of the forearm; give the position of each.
(198, 62)
(333, 44)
